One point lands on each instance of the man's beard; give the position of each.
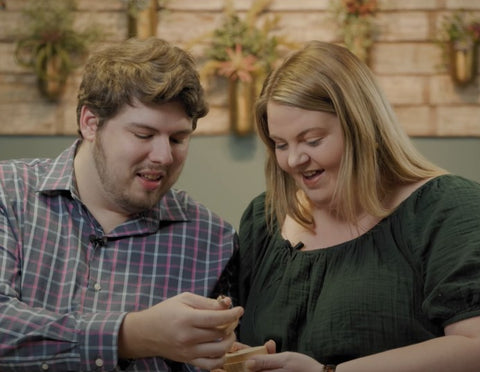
(116, 188)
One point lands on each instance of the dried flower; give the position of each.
(458, 38)
(457, 27)
(360, 8)
(241, 48)
(356, 21)
(238, 65)
(346, 10)
(474, 29)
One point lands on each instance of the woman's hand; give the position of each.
(283, 362)
(270, 345)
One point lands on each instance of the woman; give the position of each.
(361, 255)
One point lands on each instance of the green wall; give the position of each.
(225, 172)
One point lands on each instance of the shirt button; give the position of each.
(97, 287)
(99, 362)
(44, 366)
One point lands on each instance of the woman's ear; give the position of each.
(88, 123)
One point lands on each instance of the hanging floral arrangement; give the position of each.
(356, 19)
(50, 46)
(459, 38)
(243, 51)
(241, 47)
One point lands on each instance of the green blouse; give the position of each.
(400, 283)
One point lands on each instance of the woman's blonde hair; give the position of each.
(378, 153)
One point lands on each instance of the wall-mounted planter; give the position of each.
(241, 97)
(52, 82)
(50, 63)
(462, 62)
(142, 23)
(358, 38)
(49, 46)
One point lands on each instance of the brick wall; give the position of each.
(405, 59)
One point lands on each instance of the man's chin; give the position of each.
(139, 205)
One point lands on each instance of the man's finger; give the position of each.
(216, 318)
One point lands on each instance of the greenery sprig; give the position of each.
(460, 28)
(357, 26)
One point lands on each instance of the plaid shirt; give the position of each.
(65, 287)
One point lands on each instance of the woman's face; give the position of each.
(309, 146)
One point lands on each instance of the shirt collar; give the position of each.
(60, 176)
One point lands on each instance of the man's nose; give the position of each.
(161, 151)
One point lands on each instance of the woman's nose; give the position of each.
(297, 157)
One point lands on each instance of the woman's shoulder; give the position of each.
(452, 181)
(259, 200)
(448, 188)
(440, 214)
(253, 224)
(442, 188)
(444, 198)
(255, 208)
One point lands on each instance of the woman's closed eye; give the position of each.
(314, 142)
(280, 146)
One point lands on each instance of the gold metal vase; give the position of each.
(241, 99)
(462, 62)
(358, 38)
(142, 23)
(53, 79)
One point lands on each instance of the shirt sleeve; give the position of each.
(448, 230)
(34, 338)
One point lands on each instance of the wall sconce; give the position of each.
(142, 18)
(241, 97)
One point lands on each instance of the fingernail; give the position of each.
(225, 301)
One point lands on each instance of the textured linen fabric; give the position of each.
(65, 286)
(400, 283)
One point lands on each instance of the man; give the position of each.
(103, 266)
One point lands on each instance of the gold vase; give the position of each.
(462, 62)
(52, 82)
(358, 38)
(361, 50)
(142, 23)
(241, 97)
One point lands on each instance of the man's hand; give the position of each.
(186, 328)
